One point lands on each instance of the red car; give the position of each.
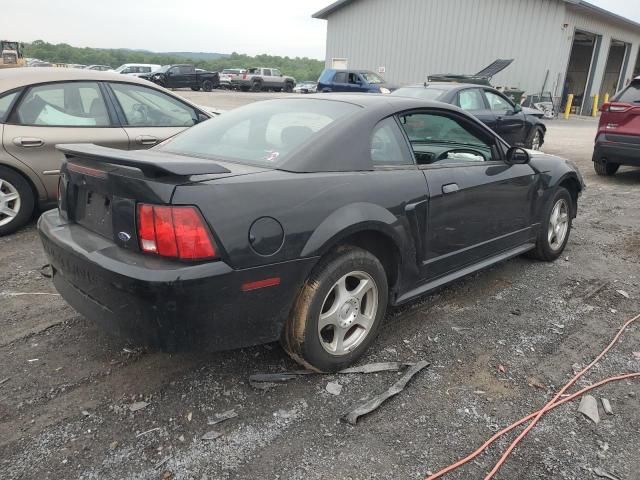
(618, 139)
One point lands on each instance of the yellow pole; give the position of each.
(594, 109)
(567, 109)
(606, 98)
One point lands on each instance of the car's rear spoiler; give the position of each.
(152, 163)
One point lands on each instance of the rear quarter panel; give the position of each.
(316, 210)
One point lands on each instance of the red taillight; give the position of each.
(244, 76)
(177, 232)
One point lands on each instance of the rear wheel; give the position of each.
(16, 201)
(555, 227)
(256, 86)
(338, 313)
(288, 87)
(207, 85)
(605, 168)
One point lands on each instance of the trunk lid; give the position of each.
(100, 187)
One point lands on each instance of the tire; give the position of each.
(605, 168)
(550, 245)
(16, 196)
(288, 87)
(357, 317)
(536, 139)
(207, 85)
(195, 89)
(256, 87)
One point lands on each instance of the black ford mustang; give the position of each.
(297, 219)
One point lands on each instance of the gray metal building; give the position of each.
(561, 46)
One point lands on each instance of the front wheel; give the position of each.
(555, 227)
(605, 168)
(16, 201)
(338, 312)
(288, 88)
(536, 139)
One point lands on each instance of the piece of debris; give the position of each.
(167, 475)
(535, 383)
(22, 294)
(222, 417)
(85, 413)
(602, 474)
(189, 416)
(622, 293)
(277, 377)
(4, 380)
(33, 360)
(284, 413)
(395, 389)
(113, 445)
(636, 355)
(376, 367)
(334, 388)
(516, 311)
(147, 432)
(134, 407)
(459, 330)
(501, 369)
(606, 406)
(589, 408)
(162, 462)
(594, 291)
(212, 435)
(181, 438)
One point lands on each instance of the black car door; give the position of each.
(510, 122)
(479, 206)
(472, 100)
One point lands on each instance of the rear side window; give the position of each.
(5, 104)
(631, 94)
(388, 147)
(341, 77)
(73, 104)
(261, 133)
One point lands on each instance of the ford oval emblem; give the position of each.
(124, 236)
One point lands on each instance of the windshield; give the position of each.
(419, 92)
(163, 69)
(371, 77)
(631, 94)
(261, 133)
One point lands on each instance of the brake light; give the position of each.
(244, 76)
(615, 107)
(175, 232)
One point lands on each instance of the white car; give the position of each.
(228, 74)
(306, 87)
(136, 69)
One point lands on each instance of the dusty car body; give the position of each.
(40, 108)
(297, 219)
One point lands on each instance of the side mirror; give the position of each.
(517, 156)
(517, 108)
(202, 117)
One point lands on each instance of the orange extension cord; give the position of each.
(536, 416)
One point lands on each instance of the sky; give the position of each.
(277, 27)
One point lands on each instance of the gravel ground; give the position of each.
(499, 342)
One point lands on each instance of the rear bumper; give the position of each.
(166, 304)
(617, 152)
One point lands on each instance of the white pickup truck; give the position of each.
(260, 79)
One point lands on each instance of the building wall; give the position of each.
(412, 39)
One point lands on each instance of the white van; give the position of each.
(137, 68)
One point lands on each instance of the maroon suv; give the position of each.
(618, 139)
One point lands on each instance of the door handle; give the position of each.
(28, 142)
(450, 188)
(146, 140)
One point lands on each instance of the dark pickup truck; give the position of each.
(184, 76)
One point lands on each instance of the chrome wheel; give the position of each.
(558, 224)
(536, 143)
(9, 202)
(348, 313)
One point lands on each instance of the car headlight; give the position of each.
(384, 90)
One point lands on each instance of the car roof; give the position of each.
(17, 77)
(447, 85)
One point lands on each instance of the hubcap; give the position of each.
(558, 224)
(348, 313)
(9, 202)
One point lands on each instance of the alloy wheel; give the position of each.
(9, 202)
(558, 224)
(536, 143)
(348, 313)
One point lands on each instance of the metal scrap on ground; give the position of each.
(222, 417)
(602, 474)
(376, 367)
(134, 407)
(395, 389)
(277, 377)
(212, 435)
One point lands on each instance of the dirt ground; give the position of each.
(66, 387)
